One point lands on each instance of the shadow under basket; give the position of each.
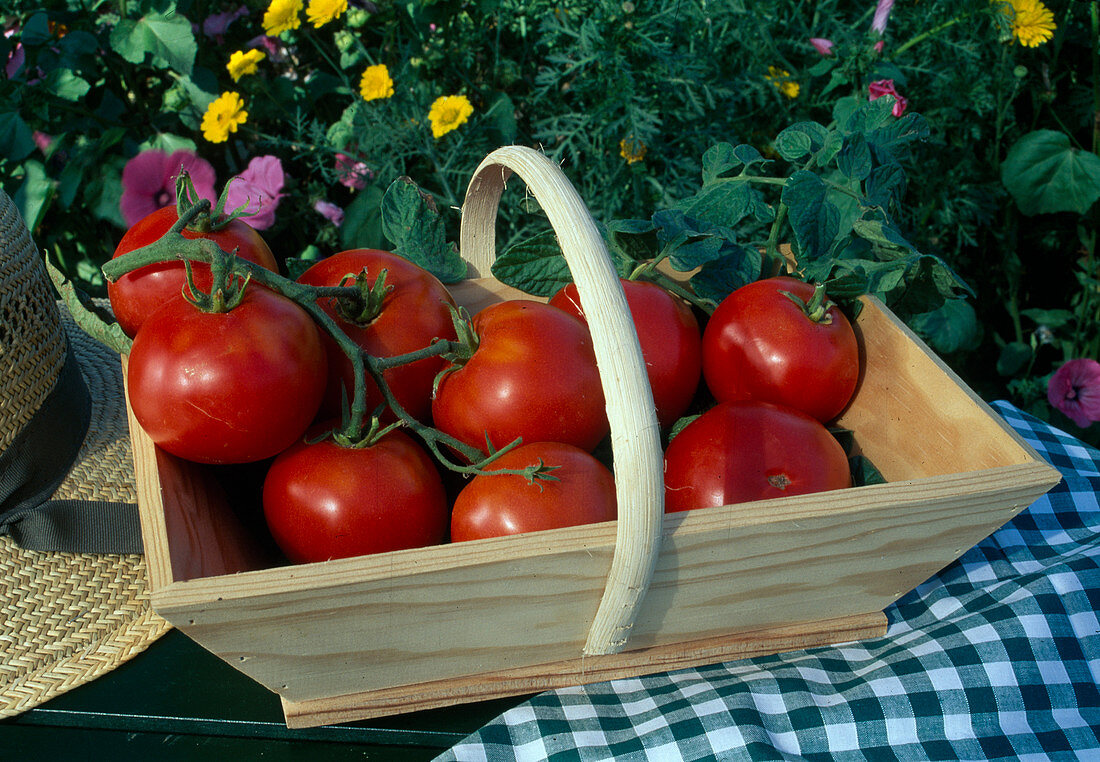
(362, 637)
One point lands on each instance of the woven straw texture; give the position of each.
(65, 618)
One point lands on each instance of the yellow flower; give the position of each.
(449, 112)
(632, 149)
(222, 117)
(1032, 22)
(781, 80)
(320, 12)
(242, 62)
(282, 16)
(376, 83)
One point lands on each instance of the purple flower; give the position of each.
(216, 26)
(882, 15)
(352, 173)
(260, 187)
(149, 181)
(822, 45)
(1075, 390)
(330, 212)
(882, 87)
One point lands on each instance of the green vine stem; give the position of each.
(87, 315)
(173, 246)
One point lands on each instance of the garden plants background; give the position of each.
(941, 154)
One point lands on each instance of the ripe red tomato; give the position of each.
(741, 451)
(137, 294)
(533, 376)
(325, 501)
(414, 311)
(505, 504)
(669, 337)
(759, 344)
(231, 387)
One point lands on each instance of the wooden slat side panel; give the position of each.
(912, 416)
(723, 571)
(501, 683)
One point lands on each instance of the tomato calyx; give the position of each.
(817, 308)
(227, 288)
(365, 304)
(462, 348)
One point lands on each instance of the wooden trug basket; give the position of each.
(361, 637)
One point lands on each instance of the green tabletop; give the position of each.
(177, 701)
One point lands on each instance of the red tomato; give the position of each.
(533, 376)
(759, 344)
(669, 337)
(231, 387)
(325, 501)
(504, 504)
(741, 451)
(414, 311)
(136, 295)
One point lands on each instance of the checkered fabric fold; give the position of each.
(995, 657)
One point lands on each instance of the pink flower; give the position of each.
(260, 187)
(1075, 390)
(42, 141)
(878, 46)
(352, 173)
(330, 212)
(149, 181)
(822, 45)
(882, 87)
(882, 15)
(16, 58)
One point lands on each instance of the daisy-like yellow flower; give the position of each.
(449, 112)
(376, 83)
(223, 116)
(244, 62)
(1032, 22)
(320, 12)
(632, 150)
(282, 16)
(781, 81)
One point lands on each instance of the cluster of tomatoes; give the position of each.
(261, 381)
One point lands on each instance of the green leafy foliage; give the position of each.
(1045, 174)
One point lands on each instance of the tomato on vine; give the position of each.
(737, 452)
(406, 310)
(670, 340)
(138, 294)
(232, 386)
(579, 490)
(782, 340)
(323, 500)
(532, 374)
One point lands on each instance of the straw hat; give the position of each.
(65, 617)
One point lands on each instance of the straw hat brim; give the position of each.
(68, 618)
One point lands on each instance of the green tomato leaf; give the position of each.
(411, 220)
(535, 266)
(815, 220)
(1045, 174)
(630, 241)
(720, 277)
(726, 157)
(800, 139)
(16, 139)
(854, 158)
(953, 327)
(1014, 356)
(164, 37)
(726, 202)
(691, 243)
(66, 85)
(362, 226)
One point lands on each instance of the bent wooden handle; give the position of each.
(635, 435)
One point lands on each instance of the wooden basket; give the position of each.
(361, 637)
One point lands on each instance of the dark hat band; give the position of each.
(37, 461)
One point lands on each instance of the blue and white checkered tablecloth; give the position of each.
(995, 657)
